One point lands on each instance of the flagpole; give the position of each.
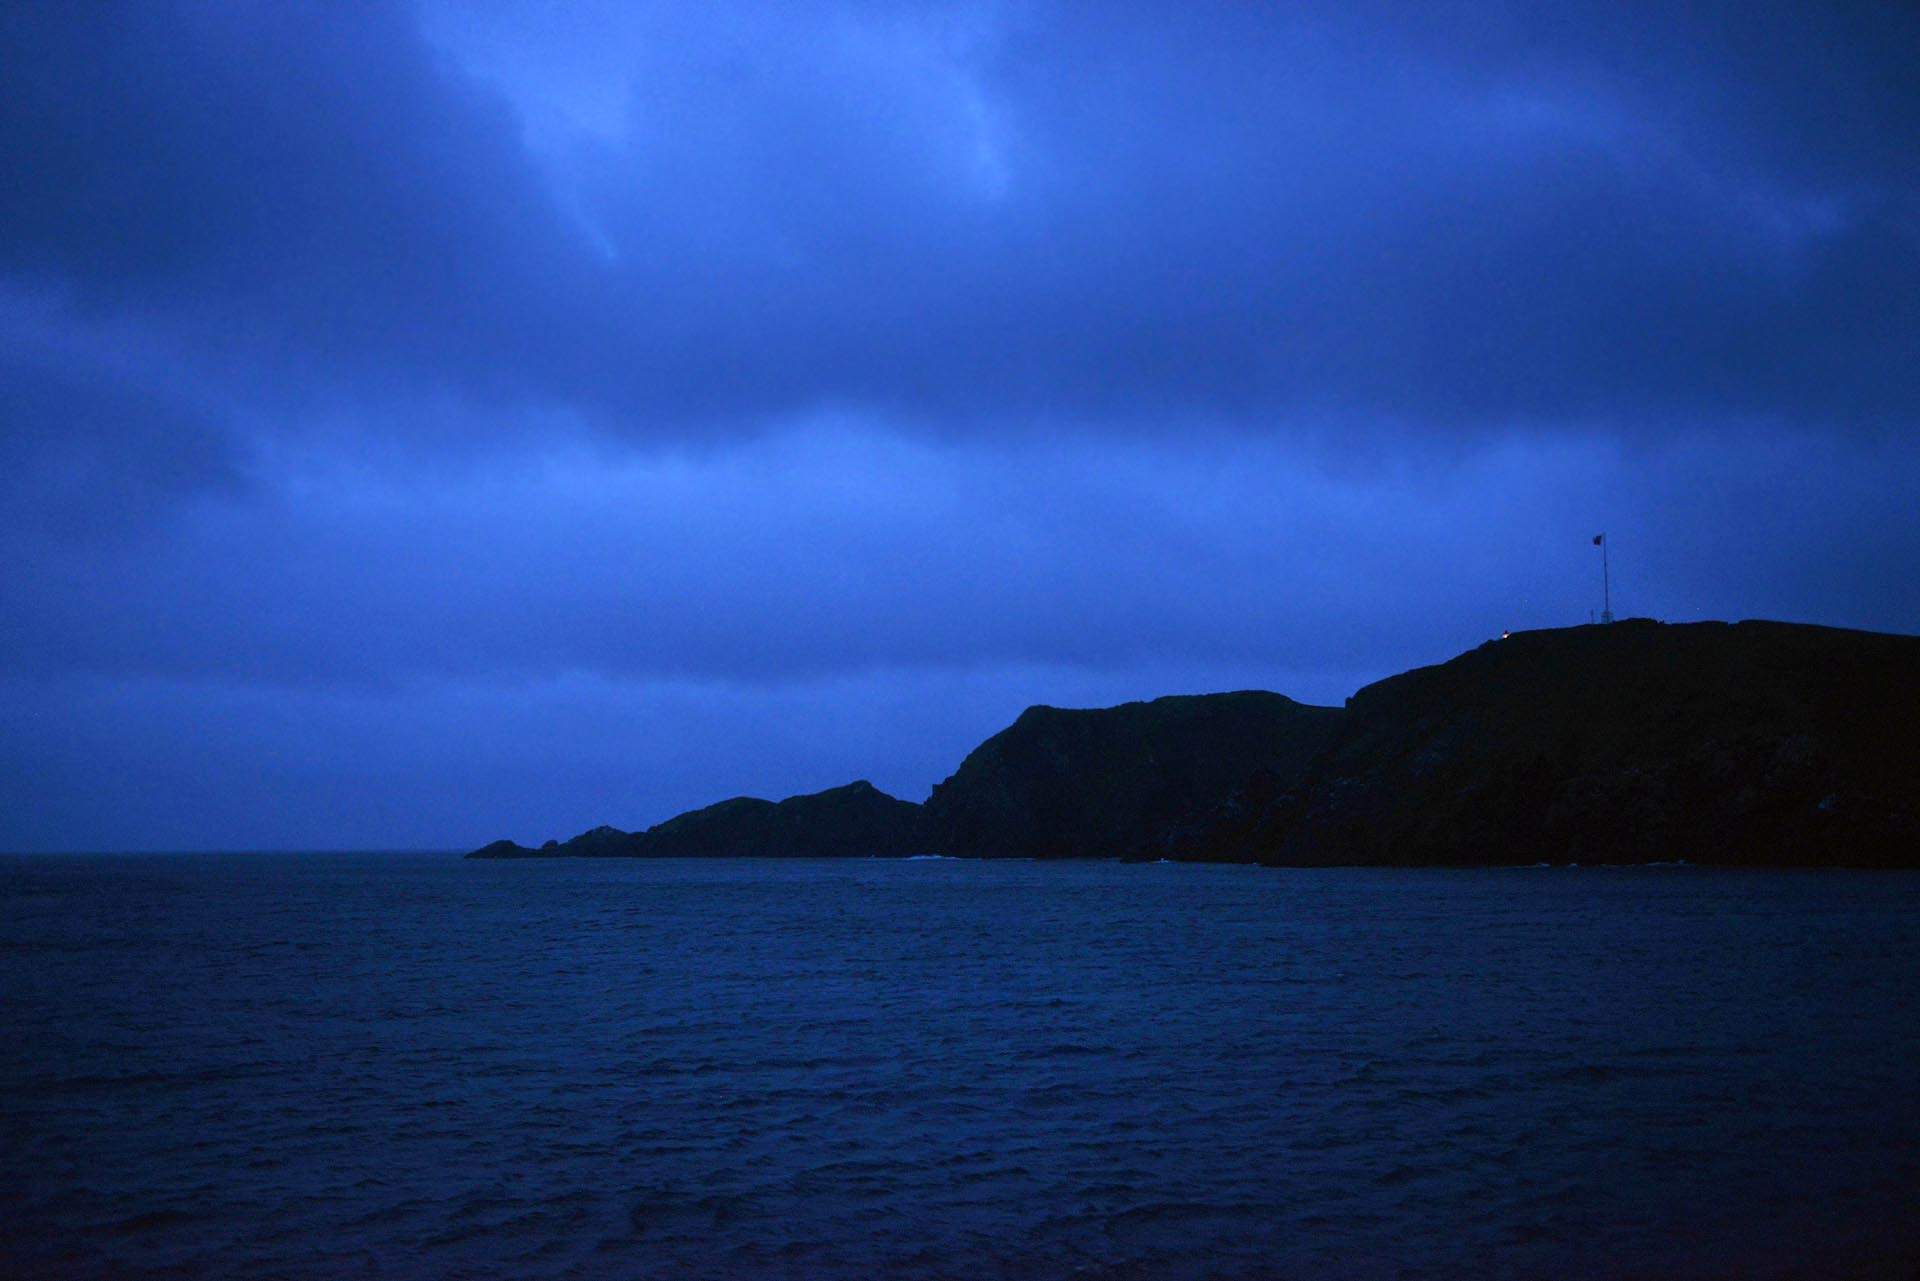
(1606, 580)
(1606, 583)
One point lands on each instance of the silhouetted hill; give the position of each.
(599, 842)
(1765, 744)
(858, 820)
(1753, 743)
(509, 849)
(1119, 782)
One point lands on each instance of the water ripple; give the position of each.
(411, 1066)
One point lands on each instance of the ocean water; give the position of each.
(409, 1065)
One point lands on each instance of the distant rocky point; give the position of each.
(857, 820)
(1754, 743)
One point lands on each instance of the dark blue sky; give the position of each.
(422, 424)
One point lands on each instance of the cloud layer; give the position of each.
(437, 364)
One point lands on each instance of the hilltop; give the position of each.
(1749, 743)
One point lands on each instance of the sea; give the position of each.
(409, 1065)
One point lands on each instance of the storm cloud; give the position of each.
(427, 423)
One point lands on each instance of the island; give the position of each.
(1735, 744)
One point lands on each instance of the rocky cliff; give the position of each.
(1753, 743)
(1119, 782)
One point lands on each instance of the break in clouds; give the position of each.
(422, 424)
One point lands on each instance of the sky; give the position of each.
(428, 423)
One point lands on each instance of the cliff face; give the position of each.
(856, 821)
(1751, 743)
(1119, 782)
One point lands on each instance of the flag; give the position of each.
(1598, 539)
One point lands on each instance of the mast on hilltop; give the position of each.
(1606, 583)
